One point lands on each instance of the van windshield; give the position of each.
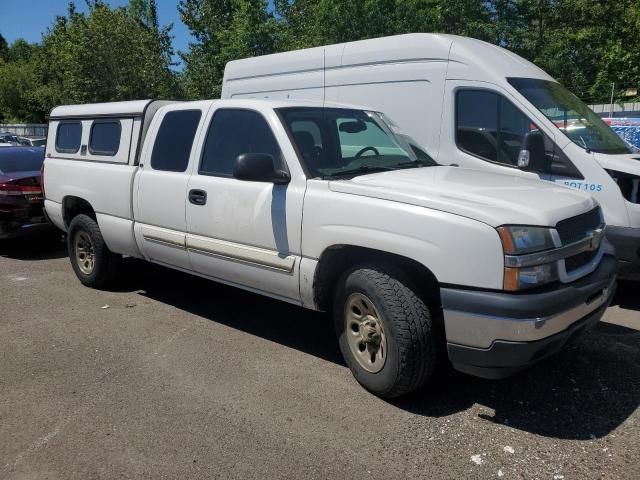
(337, 142)
(575, 119)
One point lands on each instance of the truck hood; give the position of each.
(492, 198)
(626, 163)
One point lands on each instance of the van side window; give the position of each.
(489, 126)
(174, 140)
(68, 137)
(233, 132)
(105, 137)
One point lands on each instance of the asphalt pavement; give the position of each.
(172, 376)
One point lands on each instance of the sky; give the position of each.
(29, 19)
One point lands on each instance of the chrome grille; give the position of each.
(579, 260)
(578, 227)
(575, 229)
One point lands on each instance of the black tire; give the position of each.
(411, 343)
(105, 262)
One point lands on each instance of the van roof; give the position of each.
(486, 59)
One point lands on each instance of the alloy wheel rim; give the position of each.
(365, 333)
(85, 255)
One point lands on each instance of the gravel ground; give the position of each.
(172, 376)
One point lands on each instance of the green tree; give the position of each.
(146, 11)
(4, 48)
(224, 30)
(21, 50)
(585, 45)
(304, 23)
(105, 55)
(17, 84)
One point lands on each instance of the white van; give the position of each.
(468, 103)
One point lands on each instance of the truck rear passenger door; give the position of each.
(160, 190)
(242, 232)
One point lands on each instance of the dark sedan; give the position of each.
(21, 198)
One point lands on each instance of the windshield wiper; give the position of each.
(362, 170)
(417, 163)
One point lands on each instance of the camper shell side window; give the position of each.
(68, 136)
(104, 139)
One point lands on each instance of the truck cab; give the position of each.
(331, 208)
(469, 103)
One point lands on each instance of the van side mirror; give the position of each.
(532, 155)
(259, 167)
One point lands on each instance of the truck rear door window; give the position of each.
(105, 138)
(234, 132)
(173, 143)
(68, 137)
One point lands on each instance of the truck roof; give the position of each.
(139, 107)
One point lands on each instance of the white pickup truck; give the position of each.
(329, 208)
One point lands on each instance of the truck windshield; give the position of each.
(575, 119)
(337, 142)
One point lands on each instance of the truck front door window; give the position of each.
(234, 132)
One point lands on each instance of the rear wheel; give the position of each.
(94, 264)
(385, 330)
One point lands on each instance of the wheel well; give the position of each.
(335, 260)
(72, 206)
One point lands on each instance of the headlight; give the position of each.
(520, 240)
(519, 278)
(517, 240)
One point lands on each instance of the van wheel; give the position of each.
(92, 261)
(384, 330)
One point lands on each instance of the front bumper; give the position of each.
(495, 334)
(626, 241)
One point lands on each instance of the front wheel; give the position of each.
(385, 331)
(94, 264)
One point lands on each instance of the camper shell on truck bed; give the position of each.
(117, 125)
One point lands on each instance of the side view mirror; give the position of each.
(259, 167)
(532, 154)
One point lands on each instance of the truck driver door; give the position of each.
(245, 232)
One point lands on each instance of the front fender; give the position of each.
(458, 250)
